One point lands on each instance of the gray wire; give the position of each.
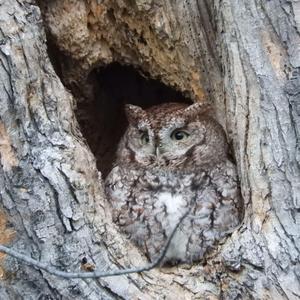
(95, 274)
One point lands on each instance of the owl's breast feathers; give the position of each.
(147, 205)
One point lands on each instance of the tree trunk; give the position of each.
(242, 56)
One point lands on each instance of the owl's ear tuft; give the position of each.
(198, 108)
(134, 113)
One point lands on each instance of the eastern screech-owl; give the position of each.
(173, 158)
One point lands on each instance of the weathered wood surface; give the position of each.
(242, 55)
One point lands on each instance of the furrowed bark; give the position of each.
(242, 56)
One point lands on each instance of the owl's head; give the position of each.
(172, 135)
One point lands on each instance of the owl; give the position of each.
(173, 160)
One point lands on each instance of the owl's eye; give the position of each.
(179, 135)
(145, 138)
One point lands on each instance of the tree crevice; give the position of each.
(240, 56)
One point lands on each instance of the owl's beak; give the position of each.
(157, 152)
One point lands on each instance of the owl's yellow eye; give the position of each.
(179, 135)
(145, 138)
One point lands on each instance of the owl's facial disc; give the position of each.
(140, 142)
(155, 137)
(177, 139)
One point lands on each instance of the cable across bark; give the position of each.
(96, 274)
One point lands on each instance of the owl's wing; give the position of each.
(228, 209)
(218, 202)
(216, 210)
(123, 188)
(117, 188)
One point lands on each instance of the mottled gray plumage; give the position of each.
(173, 158)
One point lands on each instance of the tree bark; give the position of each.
(242, 56)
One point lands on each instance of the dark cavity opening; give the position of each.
(102, 118)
